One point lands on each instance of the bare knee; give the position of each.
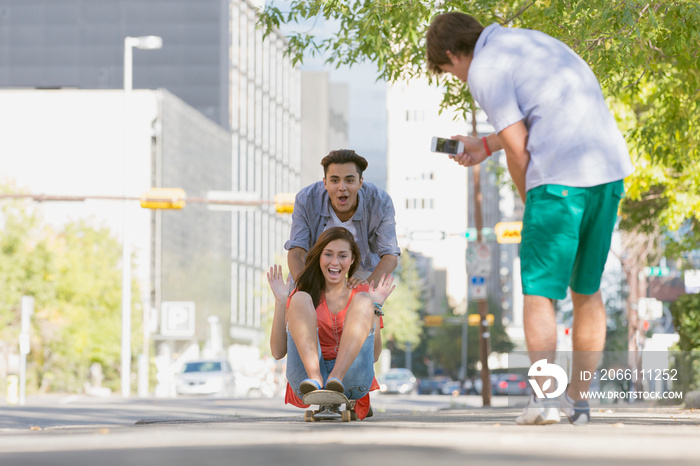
(361, 306)
(301, 306)
(586, 300)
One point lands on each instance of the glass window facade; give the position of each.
(265, 126)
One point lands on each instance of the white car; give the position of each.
(206, 377)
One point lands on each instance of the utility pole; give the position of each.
(484, 335)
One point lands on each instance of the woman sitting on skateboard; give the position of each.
(329, 332)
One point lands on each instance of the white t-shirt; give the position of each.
(335, 222)
(521, 74)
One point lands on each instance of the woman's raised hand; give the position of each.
(382, 291)
(279, 287)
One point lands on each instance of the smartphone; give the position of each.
(447, 146)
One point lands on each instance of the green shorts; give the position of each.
(566, 237)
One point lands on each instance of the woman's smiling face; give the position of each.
(335, 261)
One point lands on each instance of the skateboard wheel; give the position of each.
(346, 416)
(309, 416)
(353, 415)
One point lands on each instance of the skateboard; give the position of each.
(329, 402)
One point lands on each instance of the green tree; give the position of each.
(445, 346)
(644, 53)
(74, 276)
(87, 309)
(26, 266)
(686, 319)
(402, 322)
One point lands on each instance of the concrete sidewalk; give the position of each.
(436, 432)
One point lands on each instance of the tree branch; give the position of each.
(520, 12)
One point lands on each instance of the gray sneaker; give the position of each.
(539, 413)
(578, 412)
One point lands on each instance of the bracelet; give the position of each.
(486, 146)
(378, 309)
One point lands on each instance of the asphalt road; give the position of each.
(423, 430)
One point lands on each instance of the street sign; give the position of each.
(177, 319)
(479, 260)
(508, 232)
(478, 288)
(691, 280)
(656, 271)
(432, 321)
(650, 309)
(483, 252)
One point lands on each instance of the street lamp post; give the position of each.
(145, 43)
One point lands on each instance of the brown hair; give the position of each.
(311, 279)
(344, 156)
(454, 31)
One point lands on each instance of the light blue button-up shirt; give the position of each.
(573, 139)
(374, 222)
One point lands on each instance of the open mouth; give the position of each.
(334, 272)
(343, 200)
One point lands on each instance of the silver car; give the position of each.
(397, 381)
(206, 377)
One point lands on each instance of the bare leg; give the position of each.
(541, 338)
(588, 338)
(540, 327)
(301, 320)
(358, 323)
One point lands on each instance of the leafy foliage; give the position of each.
(686, 319)
(645, 55)
(402, 309)
(75, 278)
(446, 348)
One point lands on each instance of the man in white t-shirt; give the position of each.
(342, 198)
(567, 158)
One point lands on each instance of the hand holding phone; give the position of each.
(447, 146)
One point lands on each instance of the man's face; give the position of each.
(342, 181)
(458, 66)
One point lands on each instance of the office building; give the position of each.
(213, 59)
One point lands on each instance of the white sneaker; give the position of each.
(539, 413)
(578, 412)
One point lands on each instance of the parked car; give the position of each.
(397, 381)
(206, 377)
(477, 385)
(453, 387)
(511, 384)
(432, 385)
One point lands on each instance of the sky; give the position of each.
(367, 119)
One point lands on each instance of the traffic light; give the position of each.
(284, 203)
(163, 198)
(432, 321)
(508, 232)
(656, 271)
(474, 320)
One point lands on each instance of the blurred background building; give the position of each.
(324, 122)
(228, 119)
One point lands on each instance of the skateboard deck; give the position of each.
(329, 403)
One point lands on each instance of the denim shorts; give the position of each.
(566, 237)
(358, 379)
